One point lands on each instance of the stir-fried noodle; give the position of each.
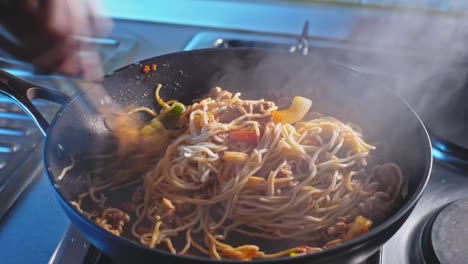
(231, 167)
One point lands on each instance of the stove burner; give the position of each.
(445, 236)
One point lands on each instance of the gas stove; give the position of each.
(436, 231)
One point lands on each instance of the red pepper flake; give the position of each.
(248, 137)
(146, 69)
(154, 67)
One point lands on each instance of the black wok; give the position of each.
(387, 121)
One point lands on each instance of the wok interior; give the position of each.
(336, 91)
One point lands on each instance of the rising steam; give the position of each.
(424, 58)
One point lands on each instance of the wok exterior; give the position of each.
(123, 251)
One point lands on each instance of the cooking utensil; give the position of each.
(387, 121)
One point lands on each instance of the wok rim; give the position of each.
(401, 214)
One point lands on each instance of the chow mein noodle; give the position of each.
(205, 174)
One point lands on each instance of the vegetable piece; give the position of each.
(308, 188)
(167, 120)
(298, 109)
(258, 183)
(256, 180)
(235, 157)
(170, 208)
(172, 116)
(158, 98)
(361, 225)
(177, 109)
(244, 136)
(245, 253)
(149, 129)
(302, 250)
(146, 69)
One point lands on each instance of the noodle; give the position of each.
(66, 169)
(229, 170)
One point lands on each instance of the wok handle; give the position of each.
(23, 92)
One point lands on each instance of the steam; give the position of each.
(425, 59)
(422, 56)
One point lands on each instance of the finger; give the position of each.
(59, 24)
(58, 18)
(70, 65)
(70, 60)
(59, 58)
(78, 17)
(90, 65)
(100, 24)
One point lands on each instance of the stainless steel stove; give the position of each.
(440, 216)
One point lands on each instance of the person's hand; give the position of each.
(46, 34)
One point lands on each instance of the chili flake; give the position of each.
(146, 69)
